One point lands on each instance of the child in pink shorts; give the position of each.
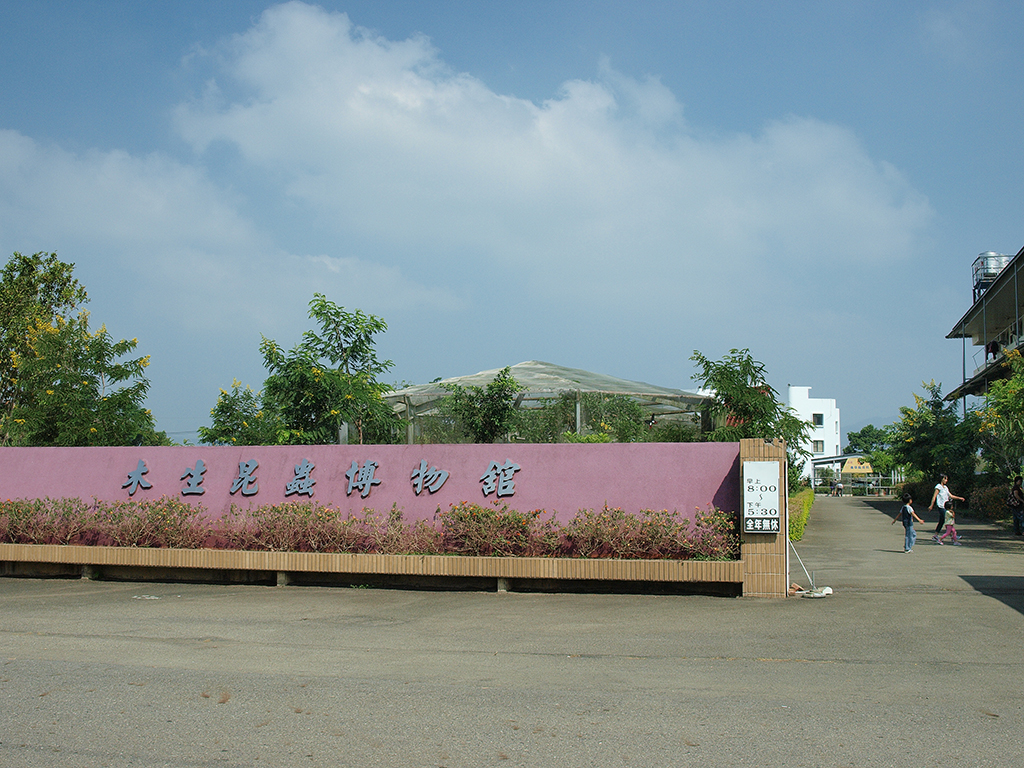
(950, 522)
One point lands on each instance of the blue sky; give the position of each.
(601, 185)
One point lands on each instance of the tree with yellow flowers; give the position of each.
(1002, 418)
(934, 439)
(62, 384)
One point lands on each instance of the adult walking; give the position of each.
(940, 496)
(1015, 501)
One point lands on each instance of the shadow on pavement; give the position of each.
(1008, 590)
(984, 535)
(976, 533)
(887, 506)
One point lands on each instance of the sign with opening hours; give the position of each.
(761, 481)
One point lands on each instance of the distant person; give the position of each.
(941, 495)
(839, 488)
(950, 520)
(1015, 503)
(907, 516)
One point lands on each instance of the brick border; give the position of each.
(411, 565)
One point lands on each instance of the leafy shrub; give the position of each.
(163, 522)
(990, 503)
(799, 513)
(465, 528)
(614, 533)
(669, 430)
(475, 529)
(43, 521)
(484, 414)
(715, 535)
(311, 527)
(469, 528)
(920, 491)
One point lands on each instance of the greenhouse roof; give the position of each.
(546, 380)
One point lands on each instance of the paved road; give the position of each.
(914, 661)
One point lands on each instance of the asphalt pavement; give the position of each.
(915, 660)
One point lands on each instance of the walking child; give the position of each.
(950, 526)
(907, 516)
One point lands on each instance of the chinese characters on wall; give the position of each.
(246, 481)
(430, 478)
(498, 479)
(303, 482)
(136, 479)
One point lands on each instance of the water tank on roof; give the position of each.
(987, 267)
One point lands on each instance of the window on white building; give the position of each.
(818, 446)
(818, 419)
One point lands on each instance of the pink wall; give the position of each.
(561, 478)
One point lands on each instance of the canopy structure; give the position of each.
(545, 381)
(995, 322)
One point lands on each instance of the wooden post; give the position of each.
(765, 554)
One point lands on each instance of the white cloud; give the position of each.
(368, 170)
(391, 289)
(388, 144)
(172, 235)
(114, 198)
(959, 33)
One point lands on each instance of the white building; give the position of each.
(825, 435)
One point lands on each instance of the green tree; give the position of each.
(240, 417)
(483, 414)
(33, 289)
(330, 378)
(744, 406)
(934, 439)
(1002, 419)
(868, 439)
(875, 445)
(882, 460)
(75, 388)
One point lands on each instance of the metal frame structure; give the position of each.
(545, 381)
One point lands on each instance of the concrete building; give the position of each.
(825, 434)
(994, 324)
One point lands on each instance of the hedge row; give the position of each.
(464, 529)
(799, 512)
